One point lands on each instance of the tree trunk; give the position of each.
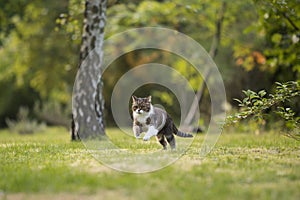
(90, 102)
(212, 52)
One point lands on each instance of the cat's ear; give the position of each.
(134, 98)
(149, 98)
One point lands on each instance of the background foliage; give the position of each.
(39, 50)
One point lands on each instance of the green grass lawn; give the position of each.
(241, 166)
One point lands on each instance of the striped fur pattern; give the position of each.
(154, 122)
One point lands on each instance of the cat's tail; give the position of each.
(181, 134)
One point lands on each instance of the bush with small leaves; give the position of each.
(23, 124)
(256, 103)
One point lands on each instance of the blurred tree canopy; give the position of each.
(37, 60)
(39, 46)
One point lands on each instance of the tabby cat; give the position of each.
(154, 122)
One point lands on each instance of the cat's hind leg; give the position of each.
(161, 138)
(171, 141)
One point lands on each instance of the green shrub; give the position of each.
(23, 124)
(53, 113)
(255, 105)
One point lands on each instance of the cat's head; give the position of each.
(141, 105)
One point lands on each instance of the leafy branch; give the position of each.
(256, 103)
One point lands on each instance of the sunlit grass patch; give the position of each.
(240, 166)
(125, 153)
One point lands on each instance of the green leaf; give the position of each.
(262, 93)
(239, 101)
(253, 96)
(276, 38)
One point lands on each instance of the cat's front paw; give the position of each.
(138, 137)
(146, 138)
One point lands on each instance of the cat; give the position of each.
(154, 121)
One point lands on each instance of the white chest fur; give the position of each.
(141, 117)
